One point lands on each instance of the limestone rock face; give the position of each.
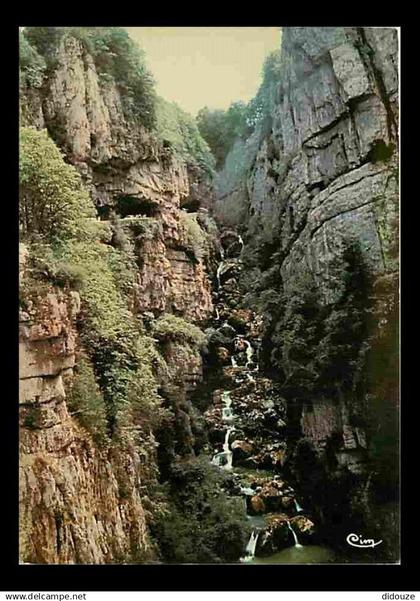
(72, 509)
(119, 159)
(318, 175)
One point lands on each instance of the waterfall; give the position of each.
(295, 538)
(217, 314)
(218, 272)
(240, 240)
(249, 352)
(298, 507)
(227, 414)
(233, 361)
(226, 447)
(251, 546)
(225, 458)
(247, 490)
(250, 378)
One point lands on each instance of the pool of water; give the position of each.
(304, 554)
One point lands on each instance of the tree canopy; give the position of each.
(220, 128)
(53, 203)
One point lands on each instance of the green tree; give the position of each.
(178, 129)
(261, 104)
(53, 204)
(220, 128)
(32, 65)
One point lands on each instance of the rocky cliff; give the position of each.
(315, 193)
(72, 509)
(82, 502)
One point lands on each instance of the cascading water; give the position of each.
(247, 490)
(295, 538)
(233, 361)
(298, 507)
(225, 458)
(251, 546)
(249, 352)
(218, 272)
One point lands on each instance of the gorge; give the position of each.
(208, 359)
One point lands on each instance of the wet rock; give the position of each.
(275, 537)
(256, 505)
(228, 237)
(287, 502)
(234, 250)
(241, 450)
(223, 355)
(304, 528)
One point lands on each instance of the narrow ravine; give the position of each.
(245, 421)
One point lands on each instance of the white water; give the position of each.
(233, 361)
(240, 240)
(218, 272)
(249, 352)
(227, 414)
(246, 490)
(226, 447)
(225, 458)
(217, 314)
(251, 546)
(298, 507)
(295, 538)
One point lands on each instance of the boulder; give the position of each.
(304, 528)
(256, 505)
(275, 537)
(287, 502)
(241, 450)
(223, 354)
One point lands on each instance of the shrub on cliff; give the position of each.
(53, 204)
(31, 63)
(117, 58)
(262, 103)
(85, 400)
(170, 327)
(204, 525)
(194, 236)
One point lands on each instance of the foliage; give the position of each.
(53, 204)
(204, 525)
(170, 327)
(117, 58)
(220, 128)
(195, 237)
(85, 400)
(260, 106)
(46, 41)
(317, 346)
(178, 129)
(31, 63)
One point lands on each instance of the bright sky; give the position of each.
(206, 66)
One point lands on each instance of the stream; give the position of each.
(233, 414)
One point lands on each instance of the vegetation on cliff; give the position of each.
(117, 58)
(204, 525)
(70, 249)
(178, 130)
(220, 128)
